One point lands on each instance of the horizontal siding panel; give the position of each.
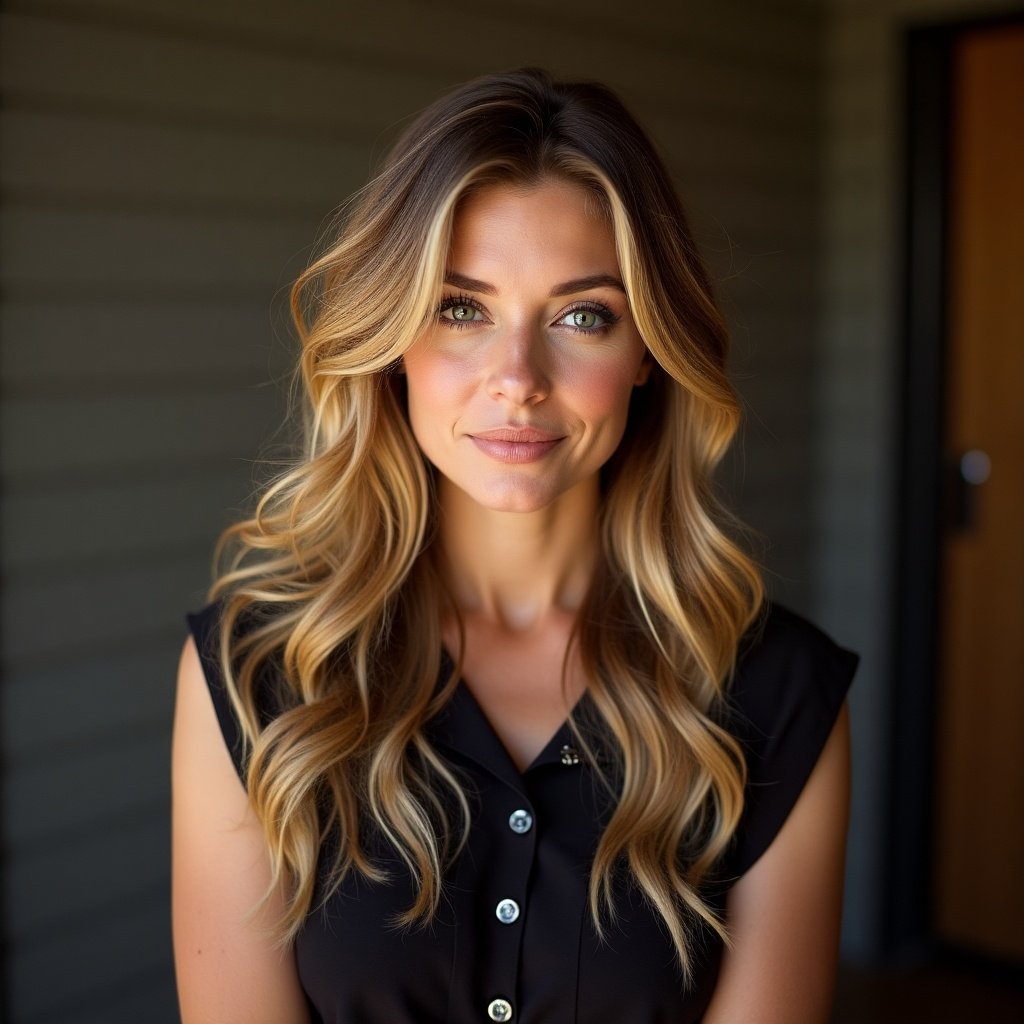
(752, 277)
(699, 89)
(847, 518)
(109, 66)
(751, 209)
(122, 163)
(122, 519)
(745, 152)
(842, 559)
(126, 162)
(69, 707)
(786, 369)
(122, 863)
(91, 962)
(60, 247)
(772, 465)
(751, 33)
(748, 33)
(863, 467)
(363, 91)
(762, 463)
(854, 102)
(860, 333)
(769, 367)
(50, 436)
(101, 612)
(773, 329)
(757, 282)
(98, 345)
(148, 996)
(60, 801)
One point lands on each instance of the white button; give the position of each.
(520, 821)
(499, 1009)
(507, 911)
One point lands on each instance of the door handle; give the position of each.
(971, 470)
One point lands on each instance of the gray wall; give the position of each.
(166, 166)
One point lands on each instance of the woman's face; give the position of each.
(519, 390)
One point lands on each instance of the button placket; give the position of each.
(510, 872)
(520, 821)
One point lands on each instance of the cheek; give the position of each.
(603, 389)
(436, 386)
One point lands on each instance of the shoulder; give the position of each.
(206, 627)
(786, 664)
(781, 640)
(227, 965)
(784, 698)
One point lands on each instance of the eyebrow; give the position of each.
(580, 284)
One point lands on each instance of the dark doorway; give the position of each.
(956, 838)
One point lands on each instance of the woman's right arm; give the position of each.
(229, 970)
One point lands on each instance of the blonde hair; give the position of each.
(333, 577)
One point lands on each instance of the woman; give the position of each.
(512, 733)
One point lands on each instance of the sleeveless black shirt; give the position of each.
(513, 940)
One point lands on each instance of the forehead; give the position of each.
(555, 225)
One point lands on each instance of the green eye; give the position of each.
(584, 319)
(462, 313)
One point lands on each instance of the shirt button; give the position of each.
(520, 821)
(507, 911)
(570, 755)
(499, 1009)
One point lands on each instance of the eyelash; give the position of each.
(448, 302)
(589, 306)
(586, 306)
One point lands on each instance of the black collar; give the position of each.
(462, 726)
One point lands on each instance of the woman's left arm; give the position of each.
(784, 913)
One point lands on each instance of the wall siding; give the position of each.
(167, 167)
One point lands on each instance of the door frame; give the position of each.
(907, 927)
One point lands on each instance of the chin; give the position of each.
(510, 496)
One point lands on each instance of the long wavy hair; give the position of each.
(331, 585)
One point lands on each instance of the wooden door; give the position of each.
(979, 877)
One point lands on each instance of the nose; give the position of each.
(518, 370)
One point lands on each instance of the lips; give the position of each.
(516, 444)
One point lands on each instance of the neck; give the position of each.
(515, 569)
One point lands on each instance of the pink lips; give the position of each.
(515, 444)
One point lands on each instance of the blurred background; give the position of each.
(852, 171)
